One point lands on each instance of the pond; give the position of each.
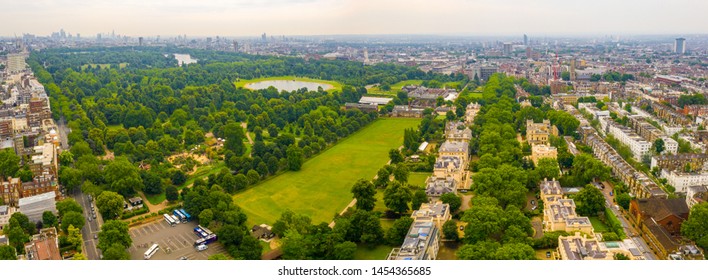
(287, 85)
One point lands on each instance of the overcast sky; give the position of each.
(324, 17)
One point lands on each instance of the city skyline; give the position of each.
(347, 17)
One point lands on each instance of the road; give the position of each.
(63, 133)
(629, 230)
(90, 228)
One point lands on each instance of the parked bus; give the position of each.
(179, 215)
(209, 239)
(169, 220)
(186, 215)
(175, 218)
(153, 249)
(200, 233)
(206, 230)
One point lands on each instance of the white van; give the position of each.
(202, 247)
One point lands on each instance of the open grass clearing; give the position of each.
(322, 187)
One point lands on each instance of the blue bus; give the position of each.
(189, 217)
(206, 240)
(200, 233)
(179, 215)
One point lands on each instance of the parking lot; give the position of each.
(175, 242)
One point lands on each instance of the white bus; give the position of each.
(169, 220)
(153, 249)
(175, 219)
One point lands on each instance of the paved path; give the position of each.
(629, 230)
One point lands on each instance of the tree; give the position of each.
(48, 218)
(25, 174)
(484, 250)
(395, 156)
(344, 251)
(9, 163)
(253, 177)
(178, 177)
(68, 205)
(240, 182)
(623, 200)
(382, 177)
(620, 257)
(112, 233)
(16, 236)
(658, 146)
(206, 216)
(79, 257)
(398, 230)
(110, 204)
(74, 237)
(590, 201)
(293, 246)
(7, 252)
(115, 252)
(74, 219)
(289, 221)
(295, 158)
(70, 177)
(123, 177)
(547, 168)
(21, 220)
(249, 249)
(400, 173)
(397, 197)
(152, 183)
(171, 193)
(453, 200)
(419, 197)
(234, 135)
(364, 192)
(516, 251)
(696, 227)
(449, 230)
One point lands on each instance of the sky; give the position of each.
(343, 17)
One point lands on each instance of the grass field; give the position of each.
(598, 225)
(418, 178)
(336, 86)
(322, 187)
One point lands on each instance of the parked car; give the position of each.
(548, 254)
(533, 202)
(202, 247)
(95, 236)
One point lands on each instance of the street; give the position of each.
(629, 230)
(90, 228)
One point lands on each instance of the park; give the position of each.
(322, 187)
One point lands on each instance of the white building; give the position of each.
(34, 206)
(670, 145)
(682, 180)
(695, 195)
(626, 136)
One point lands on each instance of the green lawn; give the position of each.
(364, 252)
(336, 86)
(418, 178)
(598, 225)
(322, 187)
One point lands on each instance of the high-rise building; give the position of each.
(263, 37)
(526, 40)
(140, 41)
(16, 63)
(680, 45)
(507, 48)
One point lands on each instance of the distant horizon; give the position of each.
(250, 18)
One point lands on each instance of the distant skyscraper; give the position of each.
(526, 40)
(235, 46)
(140, 41)
(263, 37)
(507, 48)
(680, 45)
